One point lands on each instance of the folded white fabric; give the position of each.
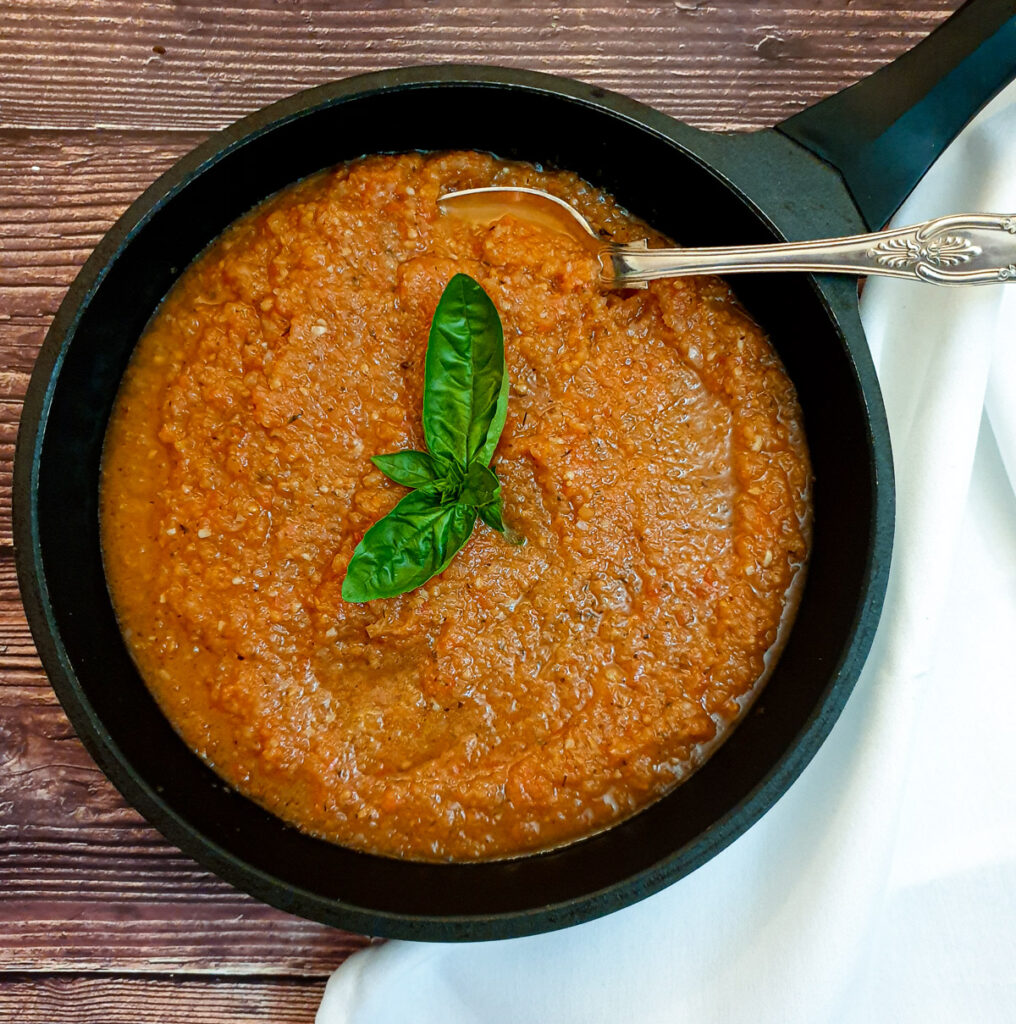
(883, 885)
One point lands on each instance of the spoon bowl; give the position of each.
(486, 206)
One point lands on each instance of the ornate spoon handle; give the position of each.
(966, 248)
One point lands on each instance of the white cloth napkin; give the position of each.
(882, 887)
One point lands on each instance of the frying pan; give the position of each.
(840, 167)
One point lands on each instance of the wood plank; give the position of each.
(50, 789)
(59, 193)
(202, 64)
(99, 1000)
(157, 939)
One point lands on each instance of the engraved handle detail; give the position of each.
(961, 249)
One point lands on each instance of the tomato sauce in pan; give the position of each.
(653, 459)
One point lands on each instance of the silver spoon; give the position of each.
(966, 248)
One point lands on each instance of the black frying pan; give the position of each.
(838, 168)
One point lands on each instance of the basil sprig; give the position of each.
(465, 402)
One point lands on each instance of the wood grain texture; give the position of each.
(75, 934)
(152, 1001)
(200, 65)
(96, 100)
(59, 193)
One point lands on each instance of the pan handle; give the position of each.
(883, 133)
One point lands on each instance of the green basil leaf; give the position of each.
(414, 542)
(465, 404)
(491, 515)
(497, 423)
(479, 487)
(412, 469)
(464, 388)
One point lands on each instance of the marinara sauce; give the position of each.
(653, 459)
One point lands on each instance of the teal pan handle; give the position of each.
(883, 133)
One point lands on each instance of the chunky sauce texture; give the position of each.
(653, 459)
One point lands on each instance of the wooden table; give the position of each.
(100, 919)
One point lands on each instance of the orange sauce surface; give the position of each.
(653, 459)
